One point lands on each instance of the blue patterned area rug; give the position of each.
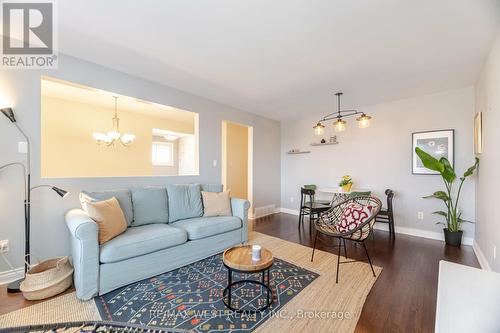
(190, 297)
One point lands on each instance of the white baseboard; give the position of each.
(289, 211)
(420, 233)
(11, 275)
(480, 257)
(263, 211)
(399, 230)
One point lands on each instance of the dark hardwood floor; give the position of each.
(402, 300)
(404, 297)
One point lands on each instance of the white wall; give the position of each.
(488, 184)
(379, 157)
(21, 90)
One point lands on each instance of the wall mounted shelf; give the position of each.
(324, 144)
(297, 152)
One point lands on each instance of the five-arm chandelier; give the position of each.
(111, 137)
(340, 124)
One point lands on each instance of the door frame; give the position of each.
(249, 160)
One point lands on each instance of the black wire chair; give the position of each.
(327, 222)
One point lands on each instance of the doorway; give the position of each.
(237, 160)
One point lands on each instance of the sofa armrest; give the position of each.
(240, 209)
(85, 253)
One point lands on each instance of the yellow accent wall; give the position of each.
(237, 160)
(69, 150)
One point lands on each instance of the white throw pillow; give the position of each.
(216, 203)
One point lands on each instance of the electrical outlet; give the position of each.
(420, 215)
(4, 246)
(22, 147)
(495, 252)
(214, 163)
(292, 199)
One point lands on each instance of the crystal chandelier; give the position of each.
(340, 124)
(111, 137)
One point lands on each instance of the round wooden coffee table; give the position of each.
(239, 259)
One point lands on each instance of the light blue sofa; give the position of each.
(166, 230)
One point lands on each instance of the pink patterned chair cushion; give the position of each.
(354, 214)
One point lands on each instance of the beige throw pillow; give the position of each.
(216, 203)
(109, 218)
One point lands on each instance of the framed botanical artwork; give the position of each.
(436, 143)
(478, 133)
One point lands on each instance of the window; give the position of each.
(163, 154)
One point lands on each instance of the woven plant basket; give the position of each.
(47, 279)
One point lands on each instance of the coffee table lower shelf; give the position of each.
(231, 283)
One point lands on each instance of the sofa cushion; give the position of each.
(211, 187)
(150, 205)
(216, 203)
(109, 218)
(140, 240)
(184, 202)
(353, 215)
(123, 196)
(202, 227)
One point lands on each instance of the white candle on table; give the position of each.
(256, 252)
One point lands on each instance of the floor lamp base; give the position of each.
(14, 287)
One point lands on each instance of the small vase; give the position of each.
(347, 188)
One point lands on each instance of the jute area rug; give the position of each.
(323, 306)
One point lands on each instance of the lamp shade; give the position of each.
(364, 121)
(9, 113)
(339, 125)
(62, 193)
(319, 129)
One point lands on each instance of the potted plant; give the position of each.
(346, 183)
(450, 197)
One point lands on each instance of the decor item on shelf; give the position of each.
(9, 113)
(346, 183)
(331, 141)
(340, 124)
(478, 133)
(452, 232)
(436, 143)
(111, 137)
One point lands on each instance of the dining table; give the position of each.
(338, 193)
(339, 190)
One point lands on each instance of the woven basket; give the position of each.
(47, 279)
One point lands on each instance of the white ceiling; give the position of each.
(104, 99)
(285, 58)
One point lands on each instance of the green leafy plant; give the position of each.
(450, 197)
(346, 180)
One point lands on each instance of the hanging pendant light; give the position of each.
(319, 129)
(340, 124)
(111, 137)
(363, 121)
